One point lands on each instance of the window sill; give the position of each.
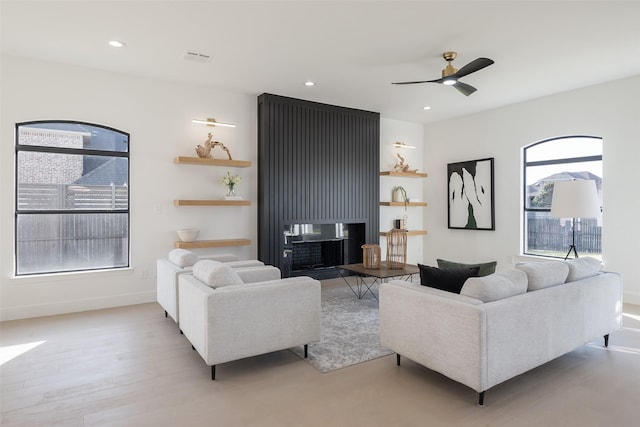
(72, 275)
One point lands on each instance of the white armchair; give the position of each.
(226, 320)
(180, 261)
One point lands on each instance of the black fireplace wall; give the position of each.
(317, 163)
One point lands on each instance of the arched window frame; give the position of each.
(562, 223)
(36, 251)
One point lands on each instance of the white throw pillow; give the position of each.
(215, 274)
(503, 284)
(581, 268)
(542, 275)
(183, 257)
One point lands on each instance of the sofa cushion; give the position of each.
(581, 268)
(215, 274)
(503, 284)
(486, 268)
(542, 275)
(183, 257)
(450, 280)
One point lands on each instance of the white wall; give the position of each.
(412, 134)
(158, 116)
(610, 111)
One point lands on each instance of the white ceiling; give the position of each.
(351, 49)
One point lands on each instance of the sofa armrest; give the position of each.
(192, 301)
(258, 274)
(167, 285)
(220, 257)
(443, 333)
(245, 263)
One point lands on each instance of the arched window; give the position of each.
(544, 163)
(72, 197)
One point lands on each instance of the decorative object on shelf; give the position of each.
(401, 224)
(471, 199)
(371, 256)
(212, 122)
(400, 195)
(188, 234)
(396, 249)
(399, 144)
(204, 151)
(402, 167)
(230, 182)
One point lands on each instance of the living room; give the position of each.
(158, 113)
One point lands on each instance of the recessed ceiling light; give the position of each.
(426, 107)
(116, 43)
(309, 83)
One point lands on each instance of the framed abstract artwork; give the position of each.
(471, 201)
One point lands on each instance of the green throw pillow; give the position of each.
(446, 279)
(486, 268)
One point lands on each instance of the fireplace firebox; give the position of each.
(315, 249)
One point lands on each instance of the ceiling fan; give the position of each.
(451, 75)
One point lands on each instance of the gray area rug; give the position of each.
(350, 331)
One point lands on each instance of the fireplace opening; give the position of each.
(315, 249)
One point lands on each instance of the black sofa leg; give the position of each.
(192, 347)
(166, 314)
(481, 399)
(181, 333)
(397, 359)
(606, 340)
(213, 372)
(306, 350)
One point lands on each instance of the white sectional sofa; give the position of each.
(504, 324)
(225, 318)
(180, 261)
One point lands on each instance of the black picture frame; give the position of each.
(470, 195)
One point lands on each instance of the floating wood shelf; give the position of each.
(212, 202)
(402, 204)
(404, 174)
(409, 233)
(211, 243)
(211, 162)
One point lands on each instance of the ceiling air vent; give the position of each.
(196, 57)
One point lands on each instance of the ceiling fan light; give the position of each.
(449, 82)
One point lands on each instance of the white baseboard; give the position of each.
(631, 298)
(75, 306)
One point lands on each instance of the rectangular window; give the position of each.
(72, 197)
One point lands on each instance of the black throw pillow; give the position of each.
(446, 279)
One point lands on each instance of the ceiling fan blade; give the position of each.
(464, 88)
(473, 66)
(422, 81)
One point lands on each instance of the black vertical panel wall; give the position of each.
(317, 163)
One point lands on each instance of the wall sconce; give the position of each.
(399, 144)
(212, 122)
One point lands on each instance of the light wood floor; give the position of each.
(129, 366)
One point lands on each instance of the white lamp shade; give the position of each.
(575, 199)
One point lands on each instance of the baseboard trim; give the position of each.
(631, 298)
(75, 306)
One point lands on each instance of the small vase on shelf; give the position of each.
(230, 182)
